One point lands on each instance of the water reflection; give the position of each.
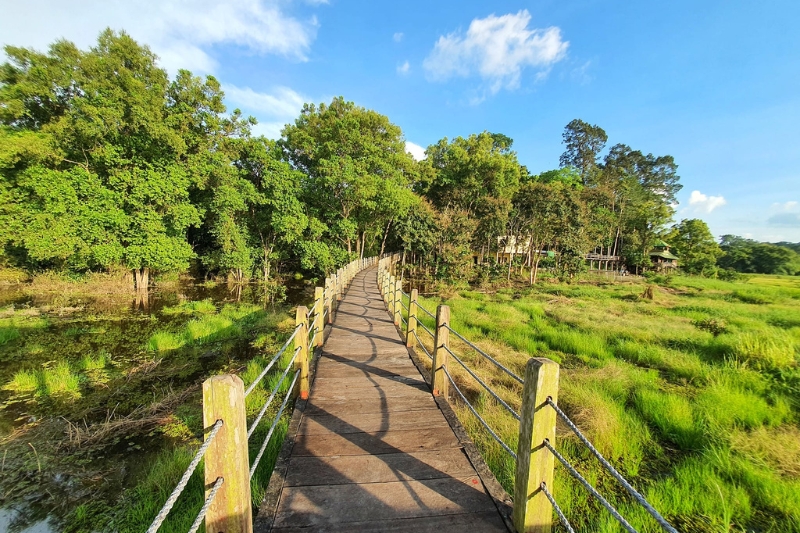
(72, 328)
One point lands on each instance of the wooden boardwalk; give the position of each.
(372, 450)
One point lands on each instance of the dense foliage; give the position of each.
(106, 163)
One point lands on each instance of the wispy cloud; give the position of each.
(398, 37)
(785, 220)
(789, 206)
(497, 49)
(705, 204)
(182, 33)
(404, 68)
(273, 109)
(416, 151)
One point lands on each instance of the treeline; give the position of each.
(106, 163)
(753, 257)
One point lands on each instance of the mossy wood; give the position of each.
(227, 456)
(533, 512)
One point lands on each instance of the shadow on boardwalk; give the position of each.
(372, 450)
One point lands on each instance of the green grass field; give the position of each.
(694, 395)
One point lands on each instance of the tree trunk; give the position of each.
(141, 278)
(385, 236)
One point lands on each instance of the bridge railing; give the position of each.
(536, 452)
(228, 466)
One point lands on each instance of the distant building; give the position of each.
(661, 257)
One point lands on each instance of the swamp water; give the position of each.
(93, 390)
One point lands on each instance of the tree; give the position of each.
(96, 123)
(354, 161)
(695, 246)
(584, 142)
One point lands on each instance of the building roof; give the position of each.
(660, 244)
(665, 254)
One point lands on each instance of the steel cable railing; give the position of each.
(589, 487)
(203, 510)
(176, 492)
(275, 390)
(613, 471)
(423, 346)
(429, 332)
(559, 512)
(426, 311)
(478, 416)
(487, 356)
(274, 425)
(440, 320)
(483, 384)
(272, 362)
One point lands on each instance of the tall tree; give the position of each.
(348, 154)
(100, 120)
(583, 142)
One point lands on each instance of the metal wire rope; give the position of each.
(206, 505)
(589, 487)
(561, 517)
(426, 329)
(613, 471)
(479, 417)
(484, 385)
(162, 514)
(274, 360)
(258, 418)
(423, 346)
(486, 355)
(426, 312)
(274, 424)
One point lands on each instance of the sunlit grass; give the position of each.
(701, 419)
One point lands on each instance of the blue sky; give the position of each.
(713, 83)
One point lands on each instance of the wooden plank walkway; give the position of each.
(373, 451)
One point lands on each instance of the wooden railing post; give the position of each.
(533, 512)
(412, 318)
(329, 297)
(441, 340)
(398, 302)
(319, 300)
(227, 457)
(301, 341)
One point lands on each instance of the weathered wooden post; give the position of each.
(329, 298)
(227, 457)
(412, 318)
(301, 341)
(441, 340)
(319, 300)
(533, 512)
(398, 301)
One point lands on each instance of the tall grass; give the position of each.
(701, 419)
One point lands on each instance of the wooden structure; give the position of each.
(661, 257)
(373, 451)
(372, 444)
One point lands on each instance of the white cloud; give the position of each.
(416, 151)
(787, 207)
(273, 110)
(705, 204)
(496, 49)
(398, 37)
(404, 68)
(182, 32)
